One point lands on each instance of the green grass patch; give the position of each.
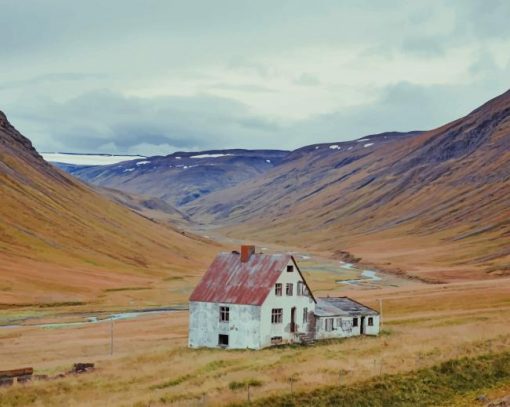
(244, 384)
(112, 290)
(426, 387)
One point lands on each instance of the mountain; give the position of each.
(150, 207)
(181, 177)
(435, 205)
(61, 241)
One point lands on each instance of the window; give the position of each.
(370, 321)
(289, 289)
(278, 289)
(276, 315)
(305, 315)
(290, 268)
(339, 322)
(223, 340)
(328, 322)
(224, 314)
(355, 322)
(276, 340)
(299, 288)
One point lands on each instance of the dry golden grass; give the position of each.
(423, 325)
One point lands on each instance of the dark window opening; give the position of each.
(224, 314)
(276, 340)
(328, 324)
(305, 315)
(289, 289)
(223, 340)
(355, 322)
(370, 321)
(278, 289)
(276, 315)
(290, 268)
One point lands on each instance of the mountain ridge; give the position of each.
(446, 189)
(62, 241)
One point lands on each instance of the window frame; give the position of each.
(226, 343)
(289, 289)
(276, 316)
(276, 340)
(370, 321)
(224, 314)
(329, 324)
(305, 315)
(355, 322)
(290, 268)
(278, 289)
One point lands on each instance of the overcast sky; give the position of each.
(155, 76)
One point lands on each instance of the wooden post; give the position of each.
(249, 401)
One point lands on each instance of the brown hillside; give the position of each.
(436, 205)
(60, 241)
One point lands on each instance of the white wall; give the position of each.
(269, 330)
(372, 330)
(243, 327)
(343, 327)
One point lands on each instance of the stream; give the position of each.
(93, 319)
(366, 275)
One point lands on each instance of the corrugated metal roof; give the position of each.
(228, 280)
(341, 306)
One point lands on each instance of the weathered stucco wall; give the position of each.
(205, 327)
(372, 330)
(343, 327)
(269, 330)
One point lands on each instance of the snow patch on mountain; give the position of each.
(209, 155)
(88, 159)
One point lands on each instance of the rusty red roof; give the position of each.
(228, 280)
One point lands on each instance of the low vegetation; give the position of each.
(424, 326)
(244, 384)
(425, 387)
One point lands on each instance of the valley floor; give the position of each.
(424, 324)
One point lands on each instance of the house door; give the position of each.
(362, 326)
(293, 319)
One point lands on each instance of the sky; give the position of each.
(156, 76)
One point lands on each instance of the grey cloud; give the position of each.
(49, 78)
(97, 118)
(241, 87)
(52, 51)
(307, 79)
(424, 46)
(400, 107)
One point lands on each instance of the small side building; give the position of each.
(340, 317)
(254, 300)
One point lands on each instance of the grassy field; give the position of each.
(434, 386)
(424, 325)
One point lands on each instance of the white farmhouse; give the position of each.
(253, 300)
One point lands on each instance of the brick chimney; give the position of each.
(246, 252)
